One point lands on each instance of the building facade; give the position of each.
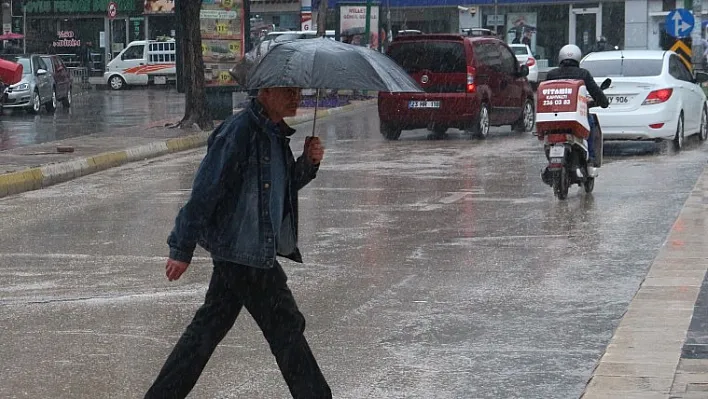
(650, 32)
(546, 25)
(75, 27)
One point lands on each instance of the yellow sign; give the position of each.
(224, 77)
(684, 53)
(227, 3)
(204, 48)
(222, 28)
(235, 47)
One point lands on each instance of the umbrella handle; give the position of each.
(314, 119)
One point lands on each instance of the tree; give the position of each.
(196, 110)
(321, 6)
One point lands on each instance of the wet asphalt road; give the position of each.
(92, 112)
(434, 269)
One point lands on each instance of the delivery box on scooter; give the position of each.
(562, 107)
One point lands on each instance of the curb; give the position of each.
(641, 359)
(47, 175)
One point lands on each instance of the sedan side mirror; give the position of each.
(606, 84)
(523, 71)
(41, 72)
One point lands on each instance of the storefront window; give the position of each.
(613, 23)
(161, 26)
(543, 28)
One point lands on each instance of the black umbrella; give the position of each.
(327, 64)
(353, 31)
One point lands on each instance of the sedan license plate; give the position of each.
(160, 80)
(424, 104)
(619, 100)
(557, 151)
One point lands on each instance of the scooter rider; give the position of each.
(569, 60)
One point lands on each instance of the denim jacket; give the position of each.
(227, 212)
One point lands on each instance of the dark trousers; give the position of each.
(266, 296)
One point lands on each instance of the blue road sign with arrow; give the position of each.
(679, 23)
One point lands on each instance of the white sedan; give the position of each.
(653, 96)
(525, 57)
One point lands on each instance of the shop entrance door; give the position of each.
(585, 26)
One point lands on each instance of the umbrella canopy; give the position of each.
(11, 36)
(328, 64)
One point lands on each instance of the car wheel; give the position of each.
(439, 132)
(680, 134)
(36, 103)
(116, 82)
(52, 104)
(703, 132)
(66, 102)
(480, 128)
(527, 119)
(390, 132)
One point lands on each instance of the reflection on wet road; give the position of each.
(91, 112)
(433, 269)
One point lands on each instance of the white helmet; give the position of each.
(570, 52)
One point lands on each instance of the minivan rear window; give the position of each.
(620, 67)
(434, 56)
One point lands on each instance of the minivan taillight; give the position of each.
(471, 72)
(531, 62)
(658, 96)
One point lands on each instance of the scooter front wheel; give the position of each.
(589, 184)
(561, 184)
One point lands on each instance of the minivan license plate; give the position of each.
(424, 104)
(160, 80)
(557, 151)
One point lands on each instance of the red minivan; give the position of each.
(470, 83)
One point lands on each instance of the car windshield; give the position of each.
(624, 67)
(441, 57)
(520, 50)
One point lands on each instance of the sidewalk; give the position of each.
(37, 166)
(660, 348)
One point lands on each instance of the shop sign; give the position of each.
(72, 6)
(66, 39)
(16, 24)
(495, 20)
(221, 25)
(352, 22)
(136, 24)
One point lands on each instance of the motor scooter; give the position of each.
(563, 124)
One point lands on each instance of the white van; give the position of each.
(141, 63)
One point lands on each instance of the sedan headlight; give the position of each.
(21, 87)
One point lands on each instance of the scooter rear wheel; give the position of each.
(561, 184)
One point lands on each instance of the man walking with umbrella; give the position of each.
(243, 210)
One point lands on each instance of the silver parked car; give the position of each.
(36, 87)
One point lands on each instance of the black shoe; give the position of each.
(547, 177)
